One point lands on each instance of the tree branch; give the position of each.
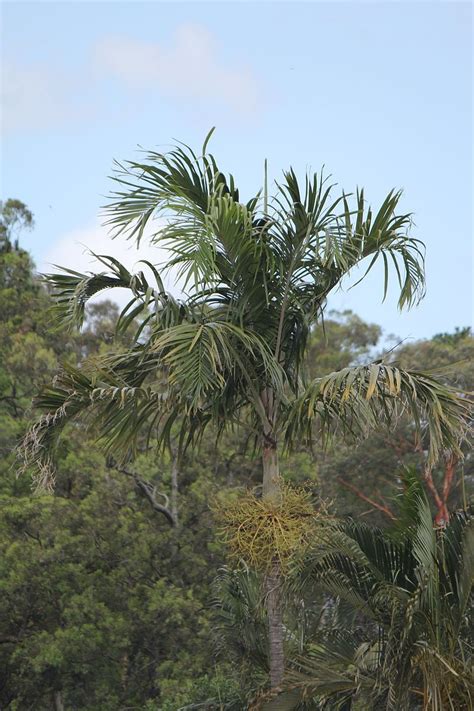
(441, 499)
(379, 506)
(150, 494)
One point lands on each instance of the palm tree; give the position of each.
(411, 589)
(256, 275)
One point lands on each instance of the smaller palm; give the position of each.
(411, 591)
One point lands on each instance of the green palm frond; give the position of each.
(362, 566)
(240, 618)
(72, 290)
(201, 358)
(357, 399)
(150, 306)
(191, 372)
(332, 671)
(408, 502)
(385, 236)
(424, 546)
(200, 212)
(459, 539)
(329, 243)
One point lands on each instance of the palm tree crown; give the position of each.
(257, 275)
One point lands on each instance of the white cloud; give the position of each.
(189, 67)
(72, 251)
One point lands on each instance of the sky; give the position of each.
(380, 93)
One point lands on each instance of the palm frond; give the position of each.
(240, 618)
(72, 290)
(189, 372)
(120, 407)
(328, 243)
(201, 358)
(408, 502)
(202, 220)
(359, 398)
(150, 306)
(458, 545)
(332, 671)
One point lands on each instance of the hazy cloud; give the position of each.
(189, 67)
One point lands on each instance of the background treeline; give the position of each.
(109, 596)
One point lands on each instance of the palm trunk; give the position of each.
(271, 490)
(275, 626)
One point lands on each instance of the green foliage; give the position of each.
(214, 691)
(92, 599)
(453, 339)
(101, 603)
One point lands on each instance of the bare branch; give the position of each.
(150, 494)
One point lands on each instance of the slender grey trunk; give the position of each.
(271, 469)
(58, 701)
(272, 490)
(275, 625)
(175, 488)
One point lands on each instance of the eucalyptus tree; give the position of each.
(255, 277)
(14, 217)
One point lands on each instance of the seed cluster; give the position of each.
(259, 531)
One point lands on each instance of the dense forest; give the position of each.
(121, 589)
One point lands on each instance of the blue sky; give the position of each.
(378, 92)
